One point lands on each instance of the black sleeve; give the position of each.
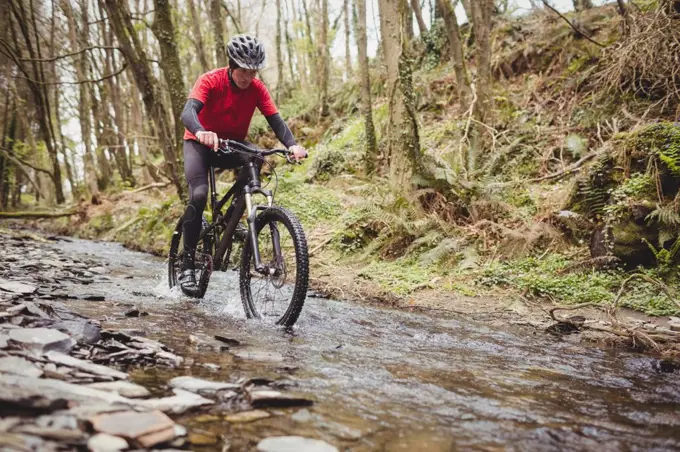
(281, 130)
(189, 115)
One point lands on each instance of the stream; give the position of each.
(391, 380)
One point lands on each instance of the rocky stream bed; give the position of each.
(97, 354)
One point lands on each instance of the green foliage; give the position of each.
(547, 278)
(397, 277)
(310, 203)
(100, 223)
(541, 278)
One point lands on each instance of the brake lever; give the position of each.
(290, 159)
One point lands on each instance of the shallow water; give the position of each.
(391, 380)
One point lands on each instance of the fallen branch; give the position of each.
(572, 25)
(38, 214)
(570, 169)
(321, 245)
(150, 186)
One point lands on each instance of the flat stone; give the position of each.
(17, 287)
(206, 418)
(59, 434)
(19, 366)
(40, 340)
(122, 388)
(294, 444)
(82, 331)
(263, 399)
(103, 442)
(147, 428)
(98, 270)
(247, 416)
(201, 386)
(202, 437)
(674, 326)
(259, 355)
(179, 403)
(97, 369)
(46, 395)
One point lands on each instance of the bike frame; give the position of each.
(248, 184)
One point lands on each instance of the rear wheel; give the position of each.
(203, 261)
(277, 293)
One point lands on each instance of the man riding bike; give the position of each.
(221, 106)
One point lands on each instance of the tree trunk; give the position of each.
(481, 20)
(457, 57)
(119, 145)
(311, 50)
(391, 50)
(348, 53)
(410, 138)
(170, 64)
(290, 17)
(279, 56)
(218, 30)
(415, 5)
(323, 58)
(37, 86)
(121, 22)
(365, 83)
(196, 23)
(84, 109)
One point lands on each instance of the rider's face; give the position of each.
(243, 77)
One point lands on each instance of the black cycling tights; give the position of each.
(197, 160)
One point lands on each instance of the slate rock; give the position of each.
(82, 331)
(40, 340)
(97, 369)
(146, 428)
(17, 287)
(19, 366)
(294, 444)
(122, 388)
(103, 442)
(179, 403)
(201, 386)
(247, 416)
(262, 399)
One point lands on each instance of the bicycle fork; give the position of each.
(252, 230)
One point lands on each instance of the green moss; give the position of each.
(400, 278)
(311, 203)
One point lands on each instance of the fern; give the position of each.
(665, 215)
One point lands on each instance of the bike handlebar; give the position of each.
(227, 146)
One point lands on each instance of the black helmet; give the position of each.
(246, 51)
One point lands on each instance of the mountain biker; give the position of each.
(221, 105)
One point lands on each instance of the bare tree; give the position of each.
(415, 5)
(147, 84)
(457, 57)
(365, 83)
(348, 53)
(218, 30)
(279, 56)
(323, 59)
(35, 79)
(198, 36)
(481, 20)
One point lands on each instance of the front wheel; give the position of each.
(277, 292)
